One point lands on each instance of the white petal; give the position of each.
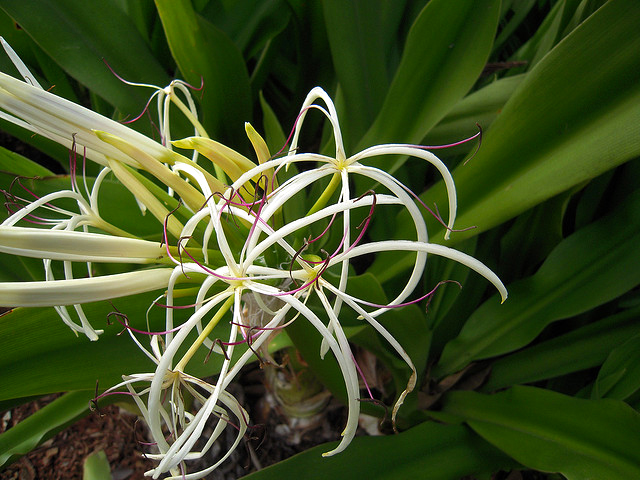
(409, 246)
(59, 119)
(77, 246)
(82, 290)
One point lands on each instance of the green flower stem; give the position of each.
(326, 195)
(205, 333)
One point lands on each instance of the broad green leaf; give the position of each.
(19, 41)
(444, 54)
(430, 450)
(544, 38)
(141, 13)
(567, 122)
(520, 252)
(481, 107)
(312, 64)
(518, 12)
(619, 376)
(43, 424)
(581, 12)
(55, 76)
(53, 150)
(594, 265)
(96, 467)
(467, 299)
(441, 269)
(307, 341)
(35, 344)
(593, 198)
(583, 348)
(273, 134)
(78, 35)
(249, 23)
(551, 432)
(205, 54)
(114, 199)
(407, 325)
(15, 164)
(20, 269)
(361, 34)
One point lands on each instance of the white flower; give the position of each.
(231, 242)
(90, 136)
(245, 272)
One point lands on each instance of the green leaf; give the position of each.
(445, 53)
(249, 23)
(78, 35)
(430, 450)
(467, 300)
(44, 423)
(361, 34)
(36, 345)
(273, 134)
(442, 269)
(55, 76)
(520, 252)
(594, 265)
(13, 164)
(408, 325)
(205, 54)
(142, 13)
(519, 11)
(545, 37)
(583, 348)
(52, 149)
(307, 341)
(567, 122)
(619, 377)
(481, 107)
(551, 432)
(96, 467)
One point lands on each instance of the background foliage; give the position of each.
(553, 193)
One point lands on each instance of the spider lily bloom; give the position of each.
(339, 169)
(292, 277)
(174, 429)
(62, 243)
(232, 242)
(28, 105)
(122, 151)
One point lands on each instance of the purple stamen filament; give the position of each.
(364, 380)
(124, 321)
(412, 302)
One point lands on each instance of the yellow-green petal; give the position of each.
(233, 163)
(154, 205)
(190, 195)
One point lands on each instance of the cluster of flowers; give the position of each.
(229, 237)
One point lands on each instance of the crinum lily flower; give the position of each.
(28, 105)
(234, 242)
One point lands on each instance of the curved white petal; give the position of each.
(77, 246)
(82, 290)
(409, 246)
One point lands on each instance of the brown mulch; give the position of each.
(271, 439)
(62, 457)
